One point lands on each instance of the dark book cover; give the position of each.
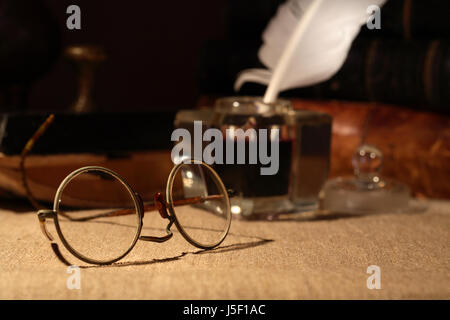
(104, 132)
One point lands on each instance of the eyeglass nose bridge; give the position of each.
(160, 239)
(160, 204)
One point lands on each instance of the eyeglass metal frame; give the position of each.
(166, 208)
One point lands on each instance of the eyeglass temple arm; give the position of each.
(42, 215)
(28, 147)
(149, 206)
(159, 203)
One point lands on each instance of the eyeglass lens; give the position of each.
(98, 215)
(206, 220)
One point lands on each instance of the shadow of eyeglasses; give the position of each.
(228, 248)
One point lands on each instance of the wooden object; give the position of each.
(415, 144)
(146, 172)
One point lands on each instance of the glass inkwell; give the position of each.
(268, 178)
(367, 192)
(260, 177)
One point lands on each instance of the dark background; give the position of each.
(152, 47)
(165, 55)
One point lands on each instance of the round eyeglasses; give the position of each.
(99, 218)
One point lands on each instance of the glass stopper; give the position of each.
(367, 164)
(366, 192)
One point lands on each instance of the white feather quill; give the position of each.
(306, 43)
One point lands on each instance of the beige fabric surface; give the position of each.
(309, 257)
